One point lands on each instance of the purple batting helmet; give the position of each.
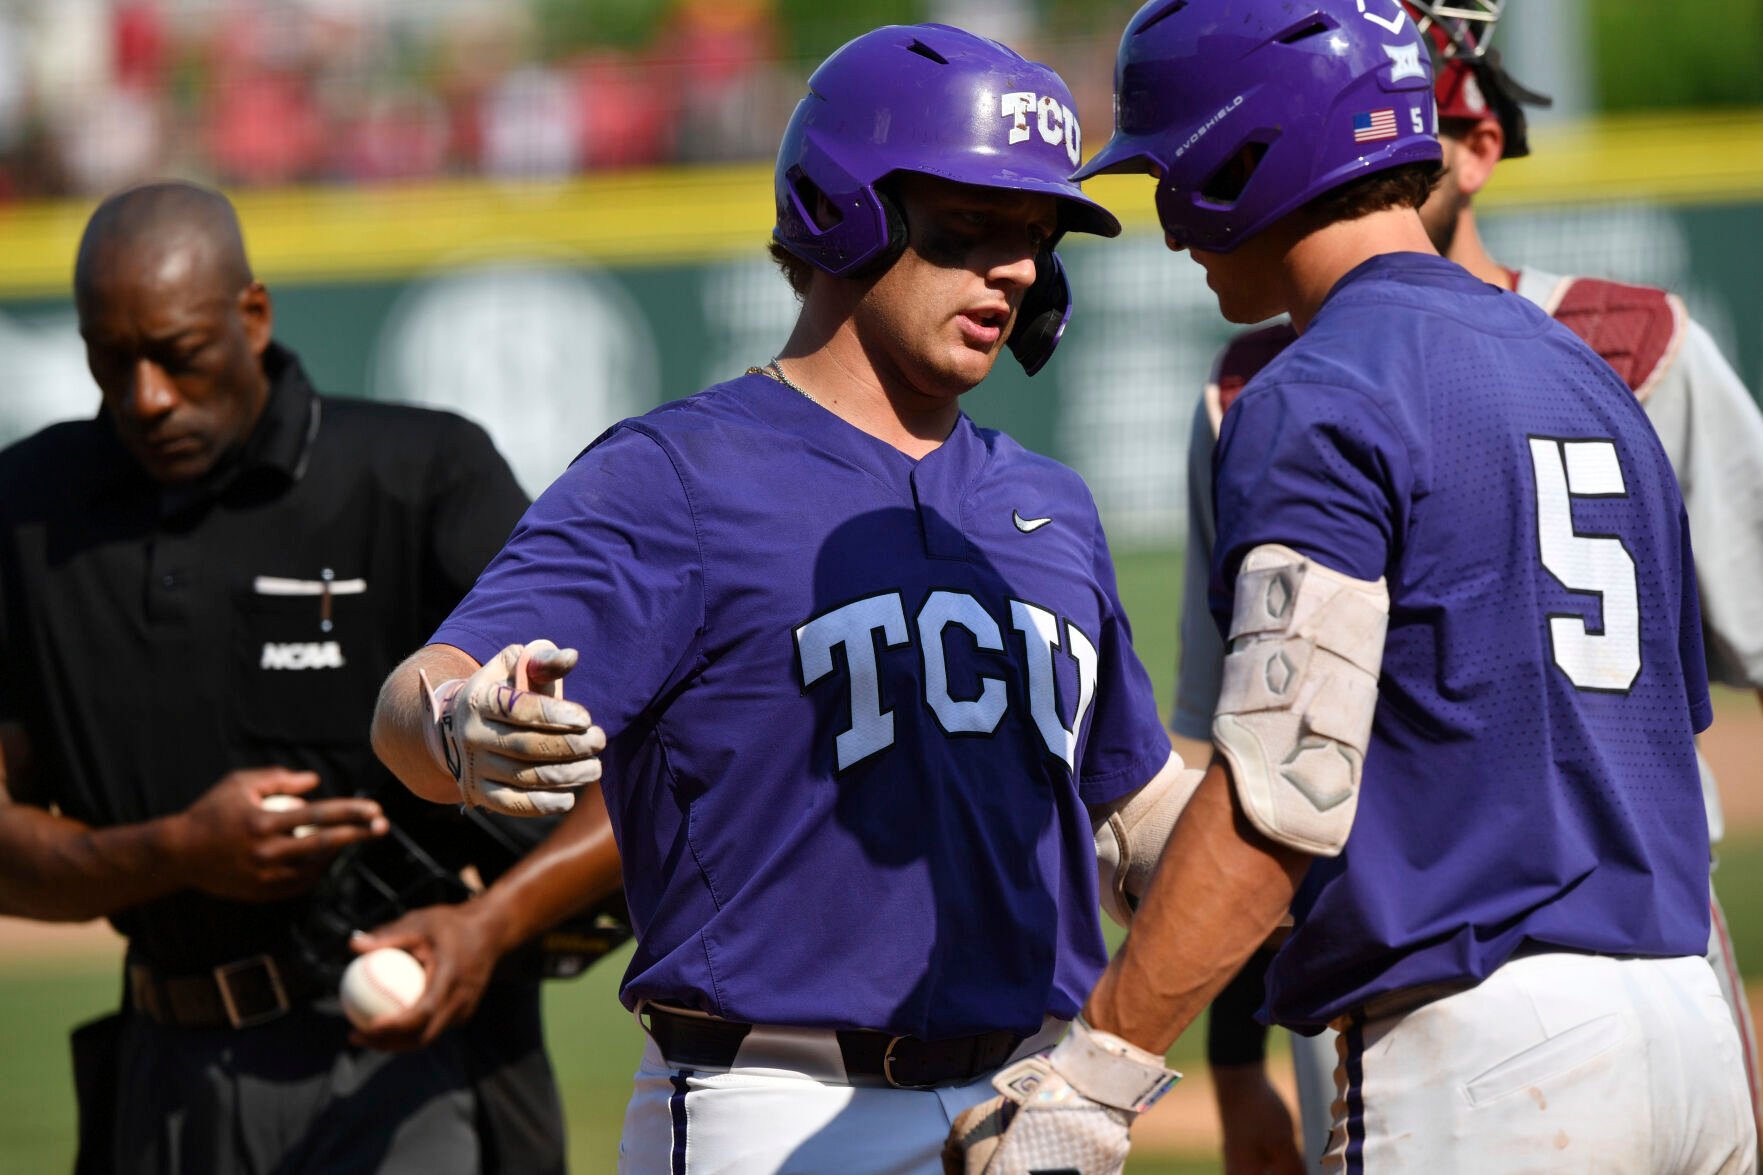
(941, 102)
(1247, 109)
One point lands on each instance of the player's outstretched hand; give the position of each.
(458, 950)
(232, 844)
(1258, 1134)
(1071, 1109)
(510, 739)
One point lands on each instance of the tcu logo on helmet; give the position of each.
(1053, 119)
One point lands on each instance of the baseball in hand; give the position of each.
(280, 802)
(379, 983)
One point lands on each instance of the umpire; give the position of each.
(201, 589)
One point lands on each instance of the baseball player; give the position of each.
(1455, 734)
(1711, 430)
(860, 674)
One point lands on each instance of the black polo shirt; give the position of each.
(152, 639)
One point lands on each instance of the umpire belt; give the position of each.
(238, 994)
(846, 1056)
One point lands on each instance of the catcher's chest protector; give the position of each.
(1238, 363)
(1635, 329)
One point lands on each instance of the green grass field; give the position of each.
(594, 1042)
(594, 1045)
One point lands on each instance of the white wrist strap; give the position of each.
(1109, 1070)
(440, 699)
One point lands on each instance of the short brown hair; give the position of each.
(1406, 186)
(796, 271)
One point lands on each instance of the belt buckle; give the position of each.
(223, 977)
(888, 1068)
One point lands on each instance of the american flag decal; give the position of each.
(1374, 124)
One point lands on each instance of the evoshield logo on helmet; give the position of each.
(1055, 121)
(1208, 125)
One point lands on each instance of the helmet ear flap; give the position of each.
(894, 234)
(866, 231)
(1043, 314)
(813, 181)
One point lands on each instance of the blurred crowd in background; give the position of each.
(250, 93)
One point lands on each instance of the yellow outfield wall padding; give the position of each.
(702, 213)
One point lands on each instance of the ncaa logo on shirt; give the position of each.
(301, 655)
(1055, 121)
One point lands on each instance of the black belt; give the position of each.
(238, 994)
(1397, 1003)
(871, 1058)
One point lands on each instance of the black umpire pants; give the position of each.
(292, 1096)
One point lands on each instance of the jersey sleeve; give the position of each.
(1127, 744)
(1713, 432)
(1320, 469)
(607, 561)
(473, 502)
(1200, 664)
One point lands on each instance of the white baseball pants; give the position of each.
(1556, 1062)
(784, 1109)
(1314, 1058)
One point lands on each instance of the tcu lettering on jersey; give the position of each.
(859, 625)
(1054, 120)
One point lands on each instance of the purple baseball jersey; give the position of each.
(855, 705)
(1531, 780)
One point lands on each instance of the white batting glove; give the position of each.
(1070, 1110)
(510, 748)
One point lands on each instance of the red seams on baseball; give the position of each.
(380, 983)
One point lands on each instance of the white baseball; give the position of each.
(379, 983)
(282, 802)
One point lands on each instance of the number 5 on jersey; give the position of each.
(1599, 565)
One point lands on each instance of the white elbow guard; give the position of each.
(1131, 839)
(1300, 689)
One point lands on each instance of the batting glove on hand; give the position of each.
(1070, 1110)
(512, 748)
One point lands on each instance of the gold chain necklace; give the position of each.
(773, 370)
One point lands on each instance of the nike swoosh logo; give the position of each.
(1028, 525)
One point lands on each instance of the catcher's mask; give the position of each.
(1469, 79)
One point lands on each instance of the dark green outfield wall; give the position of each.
(547, 352)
